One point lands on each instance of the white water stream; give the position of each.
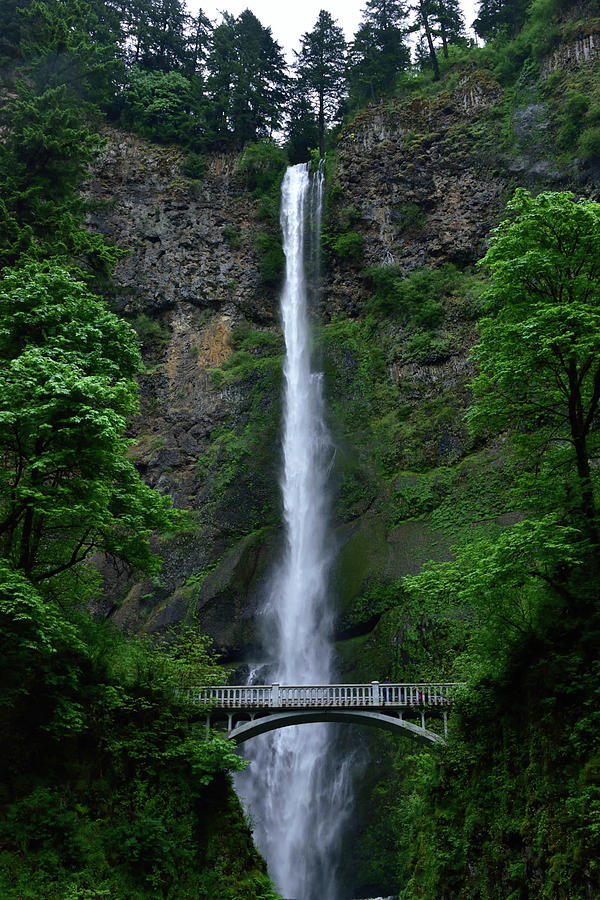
(298, 796)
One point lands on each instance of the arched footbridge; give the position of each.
(250, 710)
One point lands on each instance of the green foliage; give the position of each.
(320, 72)
(73, 45)
(44, 157)
(67, 389)
(195, 166)
(146, 794)
(588, 144)
(378, 52)
(262, 165)
(416, 294)
(348, 245)
(375, 600)
(412, 217)
(244, 337)
(246, 81)
(239, 467)
(539, 345)
(157, 106)
(515, 612)
(232, 235)
(271, 260)
(152, 333)
(514, 779)
(574, 110)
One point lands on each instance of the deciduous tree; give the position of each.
(67, 488)
(539, 355)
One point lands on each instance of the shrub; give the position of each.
(589, 143)
(572, 115)
(157, 106)
(414, 295)
(271, 260)
(231, 234)
(194, 166)
(347, 245)
(263, 164)
(426, 348)
(411, 217)
(152, 333)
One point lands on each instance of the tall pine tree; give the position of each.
(496, 17)
(247, 81)
(320, 68)
(378, 51)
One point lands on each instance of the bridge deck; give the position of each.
(325, 696)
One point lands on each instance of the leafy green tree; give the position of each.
(221, 75)
(437, 20)
(378, 51)
(450, 23)
(67, 390)
(320, 68)
(424, 23)
(260, 85)
(302, 129)
(160, 106)
(157, 33)
(198, 42)
(539, 355)
(10, 30)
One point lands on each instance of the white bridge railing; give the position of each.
(301, 696)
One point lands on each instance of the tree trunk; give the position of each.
(321, 125)
(579, 431)
(428, 35)
(444, 39)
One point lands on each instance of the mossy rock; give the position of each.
(369, 551)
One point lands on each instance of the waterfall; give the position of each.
(297, 793)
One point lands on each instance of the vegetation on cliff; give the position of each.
(510, 807)
(112, 786)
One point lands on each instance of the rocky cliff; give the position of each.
(190, 278)
(419, 184)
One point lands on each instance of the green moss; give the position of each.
(152, 333)
(348, 245)
(239, 468)
(271, 260)
(232, 234)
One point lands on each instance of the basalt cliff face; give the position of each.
(190, 277)
(420, 184)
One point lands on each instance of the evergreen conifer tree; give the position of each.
(246, 81)
(495, 17)
(378, 51)
(320, 68)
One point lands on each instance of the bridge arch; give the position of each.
(244, 730)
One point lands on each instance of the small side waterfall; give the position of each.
(299, 797)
